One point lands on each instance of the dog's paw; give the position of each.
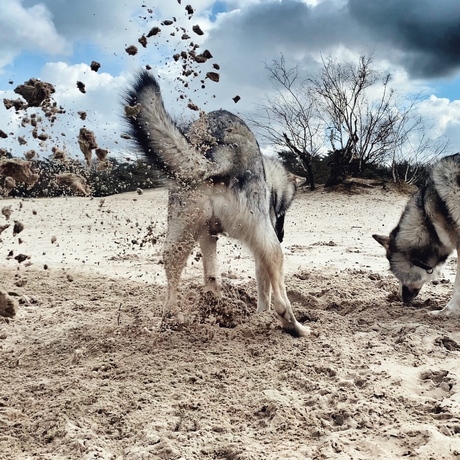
(301, 330)
(448, 310)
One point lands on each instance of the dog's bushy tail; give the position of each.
(158, 136)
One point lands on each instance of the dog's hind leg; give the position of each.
(208, 245)
(175, 255)
(185, 220)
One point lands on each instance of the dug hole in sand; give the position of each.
(86, 373)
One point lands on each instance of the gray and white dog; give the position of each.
(221, 184)
(428, 231)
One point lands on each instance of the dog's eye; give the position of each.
(420, 264)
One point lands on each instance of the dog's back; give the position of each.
(446, 181)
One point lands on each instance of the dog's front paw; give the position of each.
(451, 309)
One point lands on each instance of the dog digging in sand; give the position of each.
(221, 184)
(428, 231)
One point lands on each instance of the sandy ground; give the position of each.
(86, 374)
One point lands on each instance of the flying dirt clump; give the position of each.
(35, 92)
(131, 50)
(7, 211)
(132, 110)
(81, 87)
(18, 227)
(30, 155)
(87, 143)
(75, 182)
(8, 185)
(19, 170)
(213, 76)
(58, 154)
(8, 305)
(101, 154)
(95, 66)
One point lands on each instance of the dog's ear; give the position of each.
(383, 240)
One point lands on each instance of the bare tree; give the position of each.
(366, 119)
(419, 151)
(289, 118)
(348, 109)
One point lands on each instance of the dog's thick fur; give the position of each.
(223, 184)
(428, 231)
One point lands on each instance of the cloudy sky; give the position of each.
(418, 41)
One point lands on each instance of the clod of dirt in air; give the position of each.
(167, 22)
(82, 115)
(30, 155)
(200, 58)
(21, 258)
(213, 76)
(7, 211)
(18, 104)
(95, 66)
(3, 153)
(70, 278)
(143, 41)
(75, 182)
(153, 31)
(18, 227)
(87, 142)
(216, 66)
(3, 135)
(35, 92)
(3, 228)
(19, 170)
(22, 140)
(8, 305)
(125, 136)
(197, 30)
(58, 154)
(193, 106)
(236, 99)
(101, 154)
(131, 50)
(81, 87)
(189, 10)
(8, 184)
(132, 110)
(53, 239)
(139, 191)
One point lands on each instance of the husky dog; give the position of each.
(222, 184)
(428, 231)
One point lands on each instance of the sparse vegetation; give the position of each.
(115, 177)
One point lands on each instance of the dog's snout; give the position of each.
(408, 293)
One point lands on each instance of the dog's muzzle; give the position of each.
(408, 294)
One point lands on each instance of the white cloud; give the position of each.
(27, 29)
(445, 116)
